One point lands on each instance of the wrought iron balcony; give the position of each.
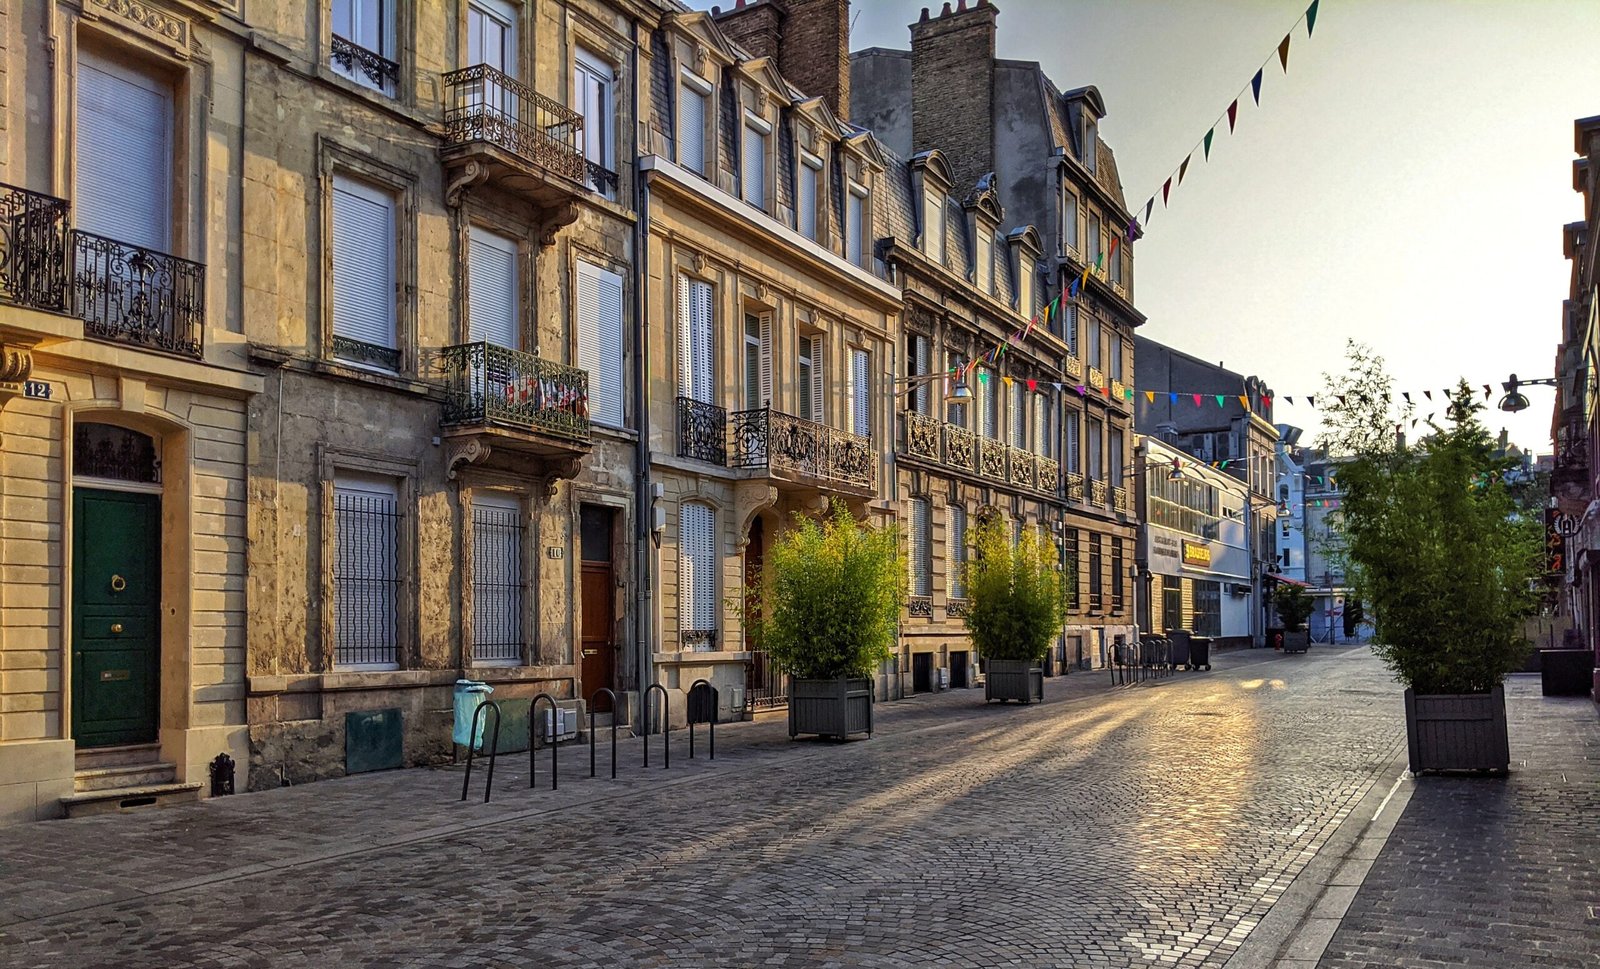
(1049, 471)
(1021, 467)
(33, 249)
(1072, 484)
(488, 385)
(500, 129)
(1099, 493)
(702, 431)
(1074, 367)
(923, 436)
(801, 450)
(956, 608)
(366, 66)
(959, 449)
(602, 180)
(1122, 500)
(130, 294)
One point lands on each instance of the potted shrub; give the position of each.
(1294, 608)
(1446, 565)
(1014, 609)
(830, 612)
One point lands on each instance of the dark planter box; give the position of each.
(1458, 731)
(1566, 672)
(1013, 679)
(830, 708)
(1296, 642)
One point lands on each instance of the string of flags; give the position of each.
(1231, 113)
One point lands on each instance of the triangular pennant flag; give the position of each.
(1430, 417)
(1100, 260)
(1209, 135)
(1150, 395)
(1266, 401)
(1082, 391)
(1255, 87)
(1166, 190)
(1283, 53)
(1171, 398)
(1184, 168)
(1133, 229)
(1233, 111)
(1244, 402)
(1406, 396)
(1487, 390)
(1072, 292)
(1084, 279)
(1115, 241)
(1413, 422)
(1149, 207)
(1340, 398)
(1311, 17)
(1428, 394)
(1197, 400)
(1220, 399)
(1311, 402)
(1033, 384)
(1287, 398)
(1106, 391)
(1007, 379)
(983, 376)
(1127, 393)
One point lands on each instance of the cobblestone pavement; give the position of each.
(1152, 825)
(1492, 871)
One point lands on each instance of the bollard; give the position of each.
(533, 720)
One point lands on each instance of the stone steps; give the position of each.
(129, 799)
(123, 776)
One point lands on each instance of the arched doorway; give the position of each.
(116, 585)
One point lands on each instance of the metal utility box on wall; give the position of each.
(373, 741)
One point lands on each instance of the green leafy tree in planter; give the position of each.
(1016, 595)
(1436, 549)
(830, 597)
(1294, 607)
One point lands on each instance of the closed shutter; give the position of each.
(600, 341)
(989, 391)
(806, 203)
(920, 365)
(861, 392)
(691, 128)
(957, 556)
(855, 206)
(491, 289)
(695, 373)
(921, 548)
(1019, 415)
(124, 155)
(366, 572)
(757, 360)
(497, 578)
(754, 171)
(1041, 426)
(363, 263)
(766, 359)
(697, 564)
(985, 260)
(1072, 441)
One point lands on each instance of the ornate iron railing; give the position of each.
(1072, 483)
(702, 431)
(919, 607)
(992, 459)
(488, 384)
(1122, 500)
(960, 447)
(922, 435)
(1022, 467)
(484, 104)
(1049, 475)
(1119, 391)
(1074, 368)
(354, 59)
(1099, 494)
(1097, 380)
(601, 180)
(957, 608)
(766, 686)
(129, 294)
(359, 351)
(782, 442)
(33, 249)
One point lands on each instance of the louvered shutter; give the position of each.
(754, 171)
(815, 392)
(921, 546)
(704, 366)
(363, 263)
(691, 128)
(766, 360)
(806, 203)
(1019, 415)
(491, 289)
(921, 365)
(989, 390)
(860, 390)
(697, 563)
(600, 341)
(1041, 426)
(685, 339)
(124, 155)
(855, 228)
(957, 555)
(1072, 442)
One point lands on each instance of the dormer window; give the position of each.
(933, 223)
(694, 109)
(753, 164)
(1091, 141)
(986, 261)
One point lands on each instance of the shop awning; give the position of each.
(1287, 581)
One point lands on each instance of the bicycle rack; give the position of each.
(666, 744)
(612, 694)
(533, 721)
(711, 724)
(472, 744)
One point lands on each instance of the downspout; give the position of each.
(643, 510)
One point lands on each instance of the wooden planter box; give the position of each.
(1013, 679)
(1458, 731)
(1296, 642)
(830, 708)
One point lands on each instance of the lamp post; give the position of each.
(1515, 400)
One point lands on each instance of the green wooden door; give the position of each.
(116, 597)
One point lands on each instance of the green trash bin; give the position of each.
(470, 695)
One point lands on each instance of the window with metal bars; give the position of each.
(1117, 576)
(497, 578)
(1096, 580)
(1074, 569)
(367, 582)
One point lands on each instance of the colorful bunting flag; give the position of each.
(1033, 384)
(1487, 390)
(1233, 113)
(1220, 399)
(1289, 399)
(1311, 17)
(1266, 401)
(1211, 133)
(1082, 391)
(1311, 401)
(1244, 402)
(1184, 168)
(1340, 399)
(1150, 396)
(1255, 86)
(1171, 399)
(1407, 397)
(1426, 393)
(1283, 52)
(1148, 206)
(1166, 190)
(1197, 400)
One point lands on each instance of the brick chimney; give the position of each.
(756, 26)
(816, 51)
(952, 87)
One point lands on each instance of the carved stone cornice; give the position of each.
(146, 19)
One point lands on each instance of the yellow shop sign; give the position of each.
(1196, 554)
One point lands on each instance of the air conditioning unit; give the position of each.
(560, 723)
(736, 697)
(1238, 590)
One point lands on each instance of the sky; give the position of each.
(1404, 184)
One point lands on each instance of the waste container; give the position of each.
(1200, 653)
(1180, 648)
(470, 695)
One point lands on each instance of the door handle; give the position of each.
(591, 652)
(118, 583)
(116, 627)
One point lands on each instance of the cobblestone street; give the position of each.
(1155, 824)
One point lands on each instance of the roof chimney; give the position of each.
(755, 26)
(952, 86)
(815, 54)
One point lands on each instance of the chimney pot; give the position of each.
(924, 18)
(946, 11)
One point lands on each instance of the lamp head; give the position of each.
(1176, 474)
(959, 393)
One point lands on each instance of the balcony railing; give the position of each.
(702, 431)
(1122, 500)
(362, 64)
(1021, 467)
(1074, 368)
(1049, 472)
(1099, 493)
(130, 294)
(486, 105)
(992, 459)
(488, 384)
(924, 437)
(919, 607)
(957, 608)
(1072, 483)
(602, 180)
(33, 249)
(1119, 391)
(767, 438)
(1097, 380)
(958, 448)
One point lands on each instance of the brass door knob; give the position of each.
(116, 627)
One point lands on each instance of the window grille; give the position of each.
(498, 533)
(366, 577)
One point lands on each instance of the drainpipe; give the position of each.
(643, 512)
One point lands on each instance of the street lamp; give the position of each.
(1515, 400)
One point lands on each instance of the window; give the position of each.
(753, 163)
(1096, 243)
(1172, 603)
(364, 48)
(1069, 221)
(694, 98)
(1026, 305)
(1116, 465)
(492, 298)
(124, 155)
(497, 578)
(696, 370)
(1096, 457)
(592, 97)
(933, 223)
(808, 378)
(757, 360)
(1072, 456)
(1117, 576)
(1091, 339)
(1019, 414)
(1207, 619)
(1096, 579)
(1069, 325)
(956, 558)
(1091, 142)
(808, 188)
(921, 548)
(491, 35)
(1116, 356)
(988, 393)
(366, 572)
(1116, 263)
(1074, 569)
(985, 260)
(1043, 426)
(957, 413)
(600, 341)
(918, 366)
(697, 573)
(364, 273)
(860, 392)
(855, 223)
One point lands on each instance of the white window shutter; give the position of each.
(600, 341)
(704, 365)
(806, 201)
(766, 359)
(124, 155)
(753, 173)
(817, 379)
(854, 227)
(685, 339)
(491, 289)
(363, 263)
(921, 548)
(861, 387)
(1019, 414)
(956, 554)
(697, 564)
(691, 128)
